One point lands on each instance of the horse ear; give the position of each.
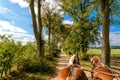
(92, 59)
(91, 56)
(77, 56)
(72, 59)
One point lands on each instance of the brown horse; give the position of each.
(100, 71)
(73, 71)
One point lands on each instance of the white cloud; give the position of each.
(115, 38)
(5, 25)
(54, 5)
(46, 37)
(8, 13)
(68, 22)
(13, 22)
(17, 33)
(22, 3)
(4, 10)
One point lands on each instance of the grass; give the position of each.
(114, 52)
(86, 64)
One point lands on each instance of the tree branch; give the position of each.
(111, 2)
(102, 4)
(34, 22)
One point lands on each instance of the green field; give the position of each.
(114, 52)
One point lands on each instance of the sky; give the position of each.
(15, 19)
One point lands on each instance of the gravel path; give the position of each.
(62, 62)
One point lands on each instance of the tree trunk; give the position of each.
(48, 14)
(105, 31)
(37, 32)
(41, 48)
(49, 36)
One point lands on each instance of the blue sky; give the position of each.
(15, 19)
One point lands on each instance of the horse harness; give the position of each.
(71, 71)
(112, 74)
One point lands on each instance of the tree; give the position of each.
(107, 7)
(84, 31)
(105, 13)
(53, 22)
(37, 26)
(114, 11)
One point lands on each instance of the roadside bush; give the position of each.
(53, 54)
(56, 53)
(49, 57)
(37, 66)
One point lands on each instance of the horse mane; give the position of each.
(74, 60)
(95, 57)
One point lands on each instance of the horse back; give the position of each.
(79, 74)
(76, 74)
(62, 75)
(103, 73)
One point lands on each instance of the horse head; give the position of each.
(74, 60)
(94, 60)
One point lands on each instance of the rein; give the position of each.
(88, 70)
(117, 75)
